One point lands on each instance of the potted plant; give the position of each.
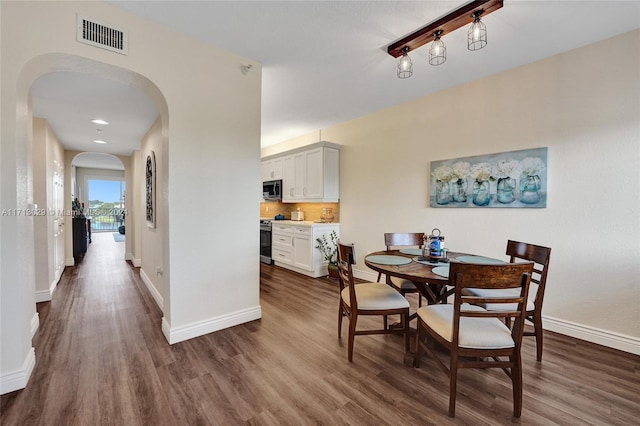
(329, 249)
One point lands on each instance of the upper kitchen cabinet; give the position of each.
(312, 175)
(271, 169)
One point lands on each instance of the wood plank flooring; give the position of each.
(102, 360)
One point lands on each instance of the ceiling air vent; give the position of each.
(100, 35)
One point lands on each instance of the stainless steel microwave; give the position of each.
(272, 190)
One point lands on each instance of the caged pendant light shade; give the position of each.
(477, 35)
(405, 65)
(437, 51)
(468, 13)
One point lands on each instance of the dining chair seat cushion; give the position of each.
(375, 296)
(475, 333)
(402, 284)
(511, 292)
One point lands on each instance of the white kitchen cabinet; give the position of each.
(312, 175)
(271, 169)
(293, 246)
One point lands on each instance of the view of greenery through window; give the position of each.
(106, 204)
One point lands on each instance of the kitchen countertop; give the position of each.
(302, 222)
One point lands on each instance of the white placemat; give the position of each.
(443, 271)
(412, 251)
(388, 260)
(479, 259)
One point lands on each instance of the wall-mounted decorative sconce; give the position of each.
(467, 13)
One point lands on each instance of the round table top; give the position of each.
(421, 272)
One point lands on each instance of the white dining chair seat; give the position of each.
(475, 333)
(402, 284)
(375, 296)
(498, 293)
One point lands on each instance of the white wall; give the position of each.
(48, 159)
(210, 114)
(152, 249)
(584, 106)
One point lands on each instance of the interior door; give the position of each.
(58, 223)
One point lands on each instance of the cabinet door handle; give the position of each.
(304, 191)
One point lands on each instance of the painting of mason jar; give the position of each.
(506, 179)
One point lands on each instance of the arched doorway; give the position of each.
(18, 276)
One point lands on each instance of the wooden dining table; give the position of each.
(430, 278)
(431, 286)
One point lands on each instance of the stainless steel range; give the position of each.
(265, 241)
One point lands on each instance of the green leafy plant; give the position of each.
(329, 247)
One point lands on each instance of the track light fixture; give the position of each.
(431, 33)
(437, 51)
(477, 35)
(405, 65)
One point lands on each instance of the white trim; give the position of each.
(200, 328)
(70, 261)
(579, 331)
(43, 296)
(47, 295)
(135, 262)
(18, 379)
(365, 275)
(594, 335)
(152, 289)
(35, 323)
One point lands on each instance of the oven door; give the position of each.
(265, 244)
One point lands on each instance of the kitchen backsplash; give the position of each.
(312, 211)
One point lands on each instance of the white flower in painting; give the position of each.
(506, 168)
(443, 173)
(461, 170)
(480, 171)
(532, 166)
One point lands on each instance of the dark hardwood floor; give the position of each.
(102, 359)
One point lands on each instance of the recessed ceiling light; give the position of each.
(99, 121)
(99, 141)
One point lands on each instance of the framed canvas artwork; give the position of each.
(508, 179)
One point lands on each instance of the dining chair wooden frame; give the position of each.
(376, 299)
(397, 239)
(516, 251)
(519, 251)
(473, 336)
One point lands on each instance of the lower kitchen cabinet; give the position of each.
(293, 246)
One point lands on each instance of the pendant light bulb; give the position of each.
(477, 35)
(437, 51)
(405, 65)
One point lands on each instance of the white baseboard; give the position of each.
(136, 262)
(200, 328)
(43, 296)
(365, 275)
(18, 379)
(47, 295)
(70, 261)
(594, 335)
(152, 289)
(579, 331)
(35, 324)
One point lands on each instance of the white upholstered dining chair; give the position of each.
(475, 337)
(366, 299)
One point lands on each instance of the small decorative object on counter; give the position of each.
(433, 245)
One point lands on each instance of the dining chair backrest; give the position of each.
(540, 255)
(346, 258)
(394, 239)
(482, 276)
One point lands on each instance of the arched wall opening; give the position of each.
(18, 238)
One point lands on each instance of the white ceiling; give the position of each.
(325, 62)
